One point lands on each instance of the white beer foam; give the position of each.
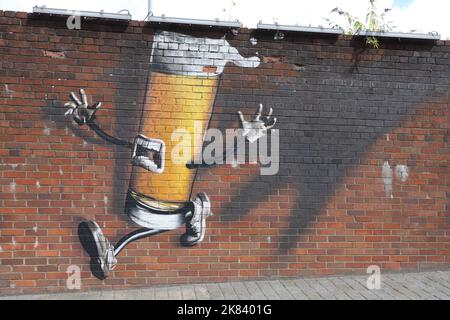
(176, 53)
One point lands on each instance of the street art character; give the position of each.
(185, 73)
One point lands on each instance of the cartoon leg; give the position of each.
(133, 236)
(103, 254)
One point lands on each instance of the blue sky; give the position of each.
(420, 15)
(402, 3)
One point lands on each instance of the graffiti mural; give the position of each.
(185, 75)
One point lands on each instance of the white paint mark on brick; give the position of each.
(61, 172)
(387, 179)
(36, 243)
(35, 228)
(234, 163)
(269, 239)
(1, 249)
(12, 285)
(13, 241)
(402, 172)
(47, 131)
(38, 185)
(14, 166)
(388, 138)
(12, 186)
(253, 41)
(55, 54)
(8, 91)
(105, 200)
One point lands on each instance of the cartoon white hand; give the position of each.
(80, 110)
(253, 130)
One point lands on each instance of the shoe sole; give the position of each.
(86, 234)
(87, 239)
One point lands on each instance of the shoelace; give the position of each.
(109, 257)
(195, 223)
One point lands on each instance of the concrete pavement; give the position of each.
(410, 286)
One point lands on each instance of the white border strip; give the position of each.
(401, 35)
(65, 12)
(280, 27)
(217, 23)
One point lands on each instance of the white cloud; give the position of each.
(425, 16)
(421, 15)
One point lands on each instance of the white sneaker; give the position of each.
(98, 247)
(196, 224)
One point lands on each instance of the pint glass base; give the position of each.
(154, 214)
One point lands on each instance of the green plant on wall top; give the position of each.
(232, 6)
(374, 22)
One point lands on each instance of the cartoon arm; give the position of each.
(252, 130)
(82, 113)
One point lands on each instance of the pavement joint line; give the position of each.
(261, 287)
(318, 289)
(213, 290)
(336, 292)
(258, 292)
(279, 290)
(240, 289)
(410, 288)
(440, 283)
(199, 293)
(230, 293)
(222, 291)
(326, 294)
(342, 284)
(354, 289)
(311, 293)
(294, 290)
(425, 288)
(174, 294)
(186, 290)
(232, 289)
(417, 286)
(395, 292)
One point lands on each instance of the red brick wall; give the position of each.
(343, 111)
